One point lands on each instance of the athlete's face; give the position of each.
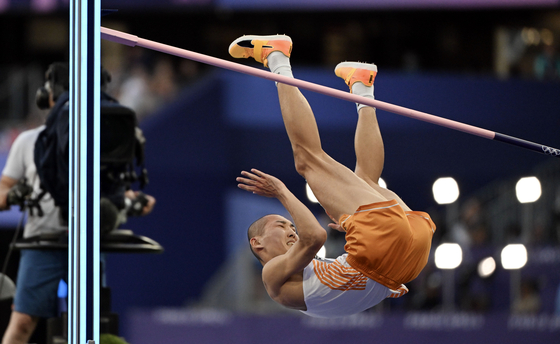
(279, 235)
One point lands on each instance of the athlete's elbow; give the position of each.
(316, 240)
(321, 237)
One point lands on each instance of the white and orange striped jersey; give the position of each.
(332, 288)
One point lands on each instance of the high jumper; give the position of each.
(387, 243)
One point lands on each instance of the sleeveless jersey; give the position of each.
(332, 288)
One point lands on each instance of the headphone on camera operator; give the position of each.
(56, 83)
(49, 97)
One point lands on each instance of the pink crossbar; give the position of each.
(131, 40)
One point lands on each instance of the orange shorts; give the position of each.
(387, 244)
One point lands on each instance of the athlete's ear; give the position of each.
(255, 243)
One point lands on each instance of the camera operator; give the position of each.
(40, 271)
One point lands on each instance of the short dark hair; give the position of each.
(58, 78)
(58, 74)
(256, 228)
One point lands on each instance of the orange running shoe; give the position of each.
(353, 72)
(259, 47)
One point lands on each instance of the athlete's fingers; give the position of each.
(247, 174)
(259, 173)
(250, 188)
(264, 181)
(246, 181)
(336, 227)
(259, 183)
(247, 188)
(256, 190)
(270, 179)
(251, 185)
(251, 175)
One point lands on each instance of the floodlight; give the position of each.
(445, 190)
(448, 256)
(514, 256)
(486, 267)
(528, 189)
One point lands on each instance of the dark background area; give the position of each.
(445, 40)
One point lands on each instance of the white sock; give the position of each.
(360, 89)
(280, 64)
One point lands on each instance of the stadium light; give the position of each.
(528, 190)
(448, 256)
(514, 256)
(445, 190)
(486, 267)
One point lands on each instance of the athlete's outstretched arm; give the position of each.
(311, 235)
(310, 232)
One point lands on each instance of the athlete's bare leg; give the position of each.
(368, 144)
(370, 152)
(338, 189)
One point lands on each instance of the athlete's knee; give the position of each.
(304, 159)
(302, 165)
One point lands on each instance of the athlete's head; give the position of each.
(270, 236)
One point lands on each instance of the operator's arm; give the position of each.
(6, 184)
(311, 235)
(149, 203)
(15, 168)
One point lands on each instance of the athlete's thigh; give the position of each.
(337, 188)
(389, 195)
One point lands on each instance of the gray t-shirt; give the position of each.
(20, 164)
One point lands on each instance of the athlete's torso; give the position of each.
(332, 288)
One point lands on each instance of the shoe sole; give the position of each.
(238, 51)
(250, 38)
(357, 65)
(356, 72)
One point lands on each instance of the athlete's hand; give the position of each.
(260, 183)
(335, 225)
